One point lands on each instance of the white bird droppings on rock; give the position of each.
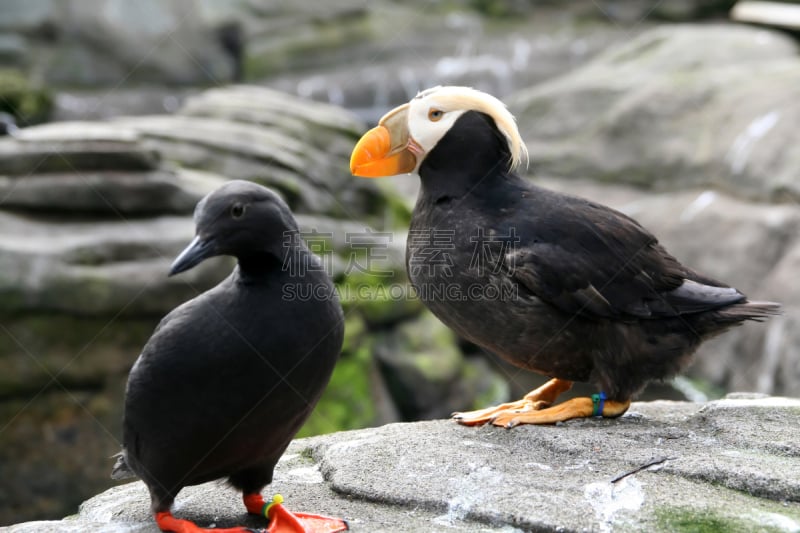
(607, 499)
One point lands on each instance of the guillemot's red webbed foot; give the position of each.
(167, 522)
(281, 520)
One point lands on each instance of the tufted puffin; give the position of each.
(551, 283)
(228, 378)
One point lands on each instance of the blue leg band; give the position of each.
(598, 402)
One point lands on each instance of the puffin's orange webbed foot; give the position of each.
(535, 400)
(281, 520)
(482, 416)
(597, 405)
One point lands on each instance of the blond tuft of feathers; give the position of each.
(467, 98)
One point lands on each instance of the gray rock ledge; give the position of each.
(733, 464)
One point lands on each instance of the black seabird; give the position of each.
(549, 282)
(229, 377)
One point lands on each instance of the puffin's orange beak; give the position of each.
(383, 150)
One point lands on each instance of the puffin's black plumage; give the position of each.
(228, 378)
(549, 282)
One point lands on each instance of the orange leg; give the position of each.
(535, 400)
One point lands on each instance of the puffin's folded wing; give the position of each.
(623, 277)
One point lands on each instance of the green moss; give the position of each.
(260, 65)
(307, 453)
(29, 104)
(354, 332)
(346, 403)
(680, 520)
(304, 47)
(429, 347)
(492, 8)
(498, 390)
(380, 299)
(437, 366)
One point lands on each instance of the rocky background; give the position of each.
(132, 111)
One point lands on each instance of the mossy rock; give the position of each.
(481, 384)
(381, 299)
(27, 103)
(421, 363)
(55, 450)
(305, 46)
(81, 352)
(430, 348)
(683, 520)
(497, 8)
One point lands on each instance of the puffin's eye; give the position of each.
(435, 114)
(237, 210)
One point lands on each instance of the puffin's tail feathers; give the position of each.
(711, 323)
(121, 470)
(756, 311)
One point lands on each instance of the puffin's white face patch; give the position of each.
(429, 119)
(434, 111)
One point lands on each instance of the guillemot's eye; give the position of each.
(237, 210)
(435, 115)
